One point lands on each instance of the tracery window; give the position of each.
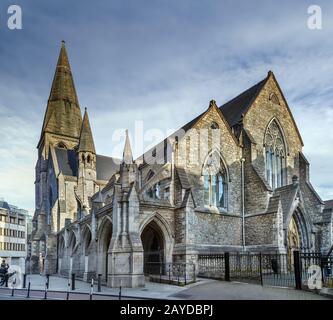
(154, 192)
(215, 182)
(274, 155)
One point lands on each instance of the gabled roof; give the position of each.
(235, 108)
(328, 204)
(182, 175)
(68, 164)
(287, 196)
(106, 167)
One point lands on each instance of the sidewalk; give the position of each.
(203, 289)
(150, 291)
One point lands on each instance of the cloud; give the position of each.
(161, 62)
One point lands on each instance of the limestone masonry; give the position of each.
(250, 190)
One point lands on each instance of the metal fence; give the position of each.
(172, 273)
(272, 269)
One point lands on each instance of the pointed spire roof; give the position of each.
(127, 155)
(63, 114)
(86, 137)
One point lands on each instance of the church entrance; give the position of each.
(294, 240)
(104, 243)
(153, 246)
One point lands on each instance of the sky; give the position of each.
(160, 62)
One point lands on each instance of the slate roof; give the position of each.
(328, 204)
(235, 108)
(106, 167)
(67, 161)
(273, 204)
(4, 204)
(287, 195)
(183, 178)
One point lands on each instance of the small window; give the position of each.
(149, 175)
(61, 145)
(167, 193)
(154, 192)
(154, 153)
(274, 98)
(214, 125)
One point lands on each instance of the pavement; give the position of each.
(220, 290)
(203, 289)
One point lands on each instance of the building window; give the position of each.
(167, 193)
(154, 192)
(214, 125)
(215, 182)
(274, 155)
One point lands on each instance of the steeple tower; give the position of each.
(127, 154)
(63, 114)
(87, 165)
(128, 169)
(86, 139)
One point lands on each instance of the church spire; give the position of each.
(86, 137)
(63, 83)
(127, 155)
(63, 114)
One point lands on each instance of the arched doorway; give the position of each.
(61, 251)
(86, 241)
(105, 234)
(71, 252)
(294, 240)
(153, 245)
(85, 250)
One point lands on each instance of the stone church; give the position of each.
(232, 179)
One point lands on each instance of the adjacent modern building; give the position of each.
(232, 179)
(13, 234)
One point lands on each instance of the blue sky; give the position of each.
(161, 62)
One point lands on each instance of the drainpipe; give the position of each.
(243, 204)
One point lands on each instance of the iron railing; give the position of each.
(171, 273)
(272, 269)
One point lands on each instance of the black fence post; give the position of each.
(226, 266)
(91, 288)
(297, 270)
(99, 280)
(73, 281)
(260, 269)
(47, 281)
(14, 282)
(119, 293)
(45, 292)
(169, 273)
(28, 293)
(24, 281)
(178, 271)
(68, 288)
(323, 267)
(194, 274)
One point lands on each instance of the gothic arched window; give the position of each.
(215, 182)
(274, 155)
